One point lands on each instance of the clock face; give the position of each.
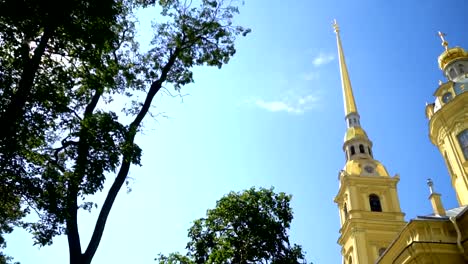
(446, 97)
(369, 169)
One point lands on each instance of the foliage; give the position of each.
(60, 69)
(10, 212)
(247, 227)
(6, 259)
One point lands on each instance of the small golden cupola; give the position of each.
(453, 61)
(454, 64)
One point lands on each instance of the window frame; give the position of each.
(462, 139)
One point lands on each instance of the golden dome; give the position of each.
(355, 132)
(450, 55)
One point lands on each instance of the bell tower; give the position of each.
(448, 117)
(367, 199)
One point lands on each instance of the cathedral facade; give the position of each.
(373, 228)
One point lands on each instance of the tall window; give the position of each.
(374, 202)
(452, 73)
(361, 148)
(353, 151)
(461, 68)
(463, 141)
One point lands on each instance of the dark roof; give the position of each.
(454, 212)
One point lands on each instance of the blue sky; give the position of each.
(274, 117)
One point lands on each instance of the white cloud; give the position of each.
(297, 106)
(309, 76)
(275, 106)
(322, 59)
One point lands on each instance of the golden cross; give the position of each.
(335, 26)
(444, 42)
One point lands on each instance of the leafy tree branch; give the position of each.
(59, 67)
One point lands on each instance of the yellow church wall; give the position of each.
(424, 241)
(355, 191)
(363, 239)
(444, 127)
(463, 225)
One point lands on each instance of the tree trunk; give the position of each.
(79, 260)
(15, 109)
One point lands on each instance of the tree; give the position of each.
(59, 70)
(247, 227)
(36, 90)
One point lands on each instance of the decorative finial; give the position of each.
(335, 26)
(431, 185)
(444, 42)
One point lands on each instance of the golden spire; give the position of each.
(444, 42)
(349, 103)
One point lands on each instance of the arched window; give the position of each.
(461, 68)
(374, 202)
(345, 211)
(452, 73)
(353, 151)
(463, 141)
(370, 151)
(361, 148)
(381, 251)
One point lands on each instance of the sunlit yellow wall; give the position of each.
(429, 241)
(363, 232)
(444, 127)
